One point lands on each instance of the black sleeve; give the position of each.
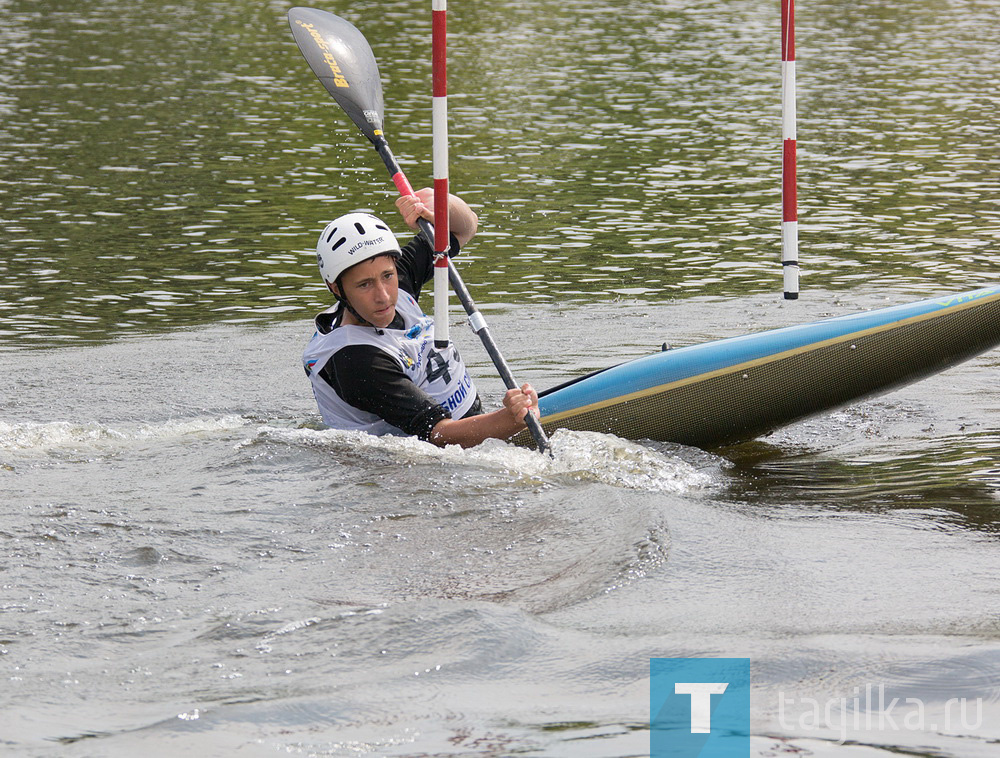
(365, 377)
(415, 266)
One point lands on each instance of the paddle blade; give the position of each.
(343, 60)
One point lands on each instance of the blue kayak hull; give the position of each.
(735, 389)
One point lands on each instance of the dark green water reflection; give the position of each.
(169, 164)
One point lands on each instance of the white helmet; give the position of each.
(351, 239)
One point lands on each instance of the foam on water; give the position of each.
(65, 436)
(580, 456)
(577, 456)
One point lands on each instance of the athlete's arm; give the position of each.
(365, 377)
(368, 379)
(462, 220)
(502, 424)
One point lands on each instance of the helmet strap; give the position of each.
(342, 299)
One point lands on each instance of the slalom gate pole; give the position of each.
(789, 199)
(439, 128)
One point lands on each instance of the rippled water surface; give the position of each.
(191, 565)
(170, 163)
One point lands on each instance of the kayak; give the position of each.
(731, 390)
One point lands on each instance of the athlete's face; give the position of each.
(371, 288)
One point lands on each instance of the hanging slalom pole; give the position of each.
(439, 128)
(789, 199)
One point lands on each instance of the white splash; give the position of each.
(583, 456)
(56, 436)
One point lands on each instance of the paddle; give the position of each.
(342, 59)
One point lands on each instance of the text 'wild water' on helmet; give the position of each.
(351, 239)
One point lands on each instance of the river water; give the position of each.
(191, 564)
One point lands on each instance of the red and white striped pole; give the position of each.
(789, 200)
(439, 127)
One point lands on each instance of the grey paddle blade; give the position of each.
(343, 60)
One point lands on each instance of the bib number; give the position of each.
(437, 367)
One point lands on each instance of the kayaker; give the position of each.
(372, 361)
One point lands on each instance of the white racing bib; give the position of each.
(440, 373)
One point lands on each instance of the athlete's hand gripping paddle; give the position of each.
(342, 59)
